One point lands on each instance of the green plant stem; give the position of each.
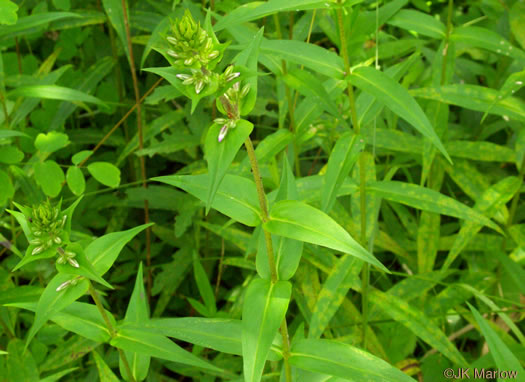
(350, 88)
(142, 161)
(111, 329)
(365, 273)
(4, 107)
(269, 249)
(516, 198)
(262, 203)
(447, 38)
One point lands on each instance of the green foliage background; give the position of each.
(390, 139)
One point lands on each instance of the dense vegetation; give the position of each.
(291, 190)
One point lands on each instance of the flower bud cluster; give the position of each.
(231, 101)
(191, 45)
(46, 224)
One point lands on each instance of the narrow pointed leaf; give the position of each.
(156, 345)
(299, 221)
(397, 99)
(418, 323)
(343, 361)
(220, 155)
(137, 313)
(265, 306)
(236, 196)
(104, 251)
(428, 200)
(504, 358)
(345, 274)
(342, 159)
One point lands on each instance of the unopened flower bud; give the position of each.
(213, 55)
(245, 90)
(73, 262)
(232, 76)
(220, 121)
(172, 53)
(57, 240)
(223, 133)
(37, 250)
(188, 61)
(172, 40)
(199, 86)
(63, 286)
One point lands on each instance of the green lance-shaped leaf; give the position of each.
(264, 309)
(504, 358)
(313, 57)
(514, 270)
(20, 364)
(203, 284)
(29, 23)
(397, 99)
(104, 371)
(249, 57)
(115, 14)
(488, 204)
(143, 341)
(287, 252)
(417, 322)
(52, 301)
(512, 84)
(311, 86)
(428, 200)
(85, 320)
(299, 221)
(475, 97)
(106, 173)
(137, 313)
(221, 334)
(236, 196)
(220, 155)
(257, 10)
(57, 93)
(419, 22)
(85, 268)
(343, 361)
(103, 251)
(342, 159)
(343, 276)
(486, 39)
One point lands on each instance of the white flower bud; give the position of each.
(73, 262)
(199, 86)
(37, 250)
(188, 61)
(223, 133)
(183, 77)
(63, 286)
(233, 76)
(245, 90)
(172, 53)
(213, 54)
(172, 40)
